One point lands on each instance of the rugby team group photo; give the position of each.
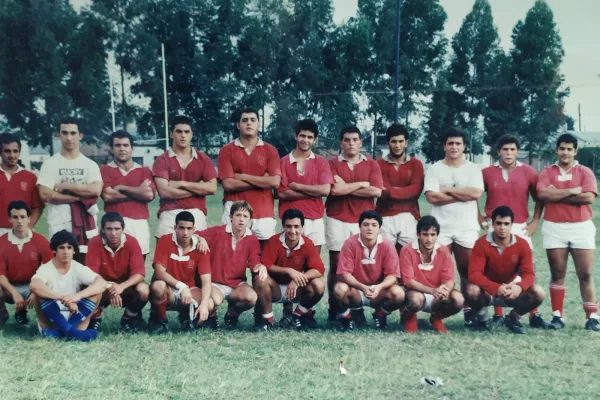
(470, 253)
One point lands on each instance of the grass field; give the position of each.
(288, 365)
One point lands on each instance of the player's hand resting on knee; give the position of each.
(298, 277)
(186, 297)
(290, 293)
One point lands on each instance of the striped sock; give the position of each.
(381, 312)
(345, 314)
(557, 298)
(300, 310)
(86, 307)
(269, 317)
(590, 308)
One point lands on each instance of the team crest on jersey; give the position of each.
(33, 256)
(515, 258)
(298, 260)
(191, 263)
(23, 185)
(261, 161)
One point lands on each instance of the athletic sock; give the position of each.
(345, 314)
(52, 311)
(130, 314)
(52, 333)
(557, 298)
(98, 313)
(300, 310)
(533, 312)
(381, 312)
(437, 324)
(409, 320)
(86, 307)
(499, 311)
(590, 308)
(161, 310)
(83, 336)
(269, 317)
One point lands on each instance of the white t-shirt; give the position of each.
(58, 169)
(459, 216)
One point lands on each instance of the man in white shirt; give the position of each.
(63, 307)
(452, 187)
(68, 177)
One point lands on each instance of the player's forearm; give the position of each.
(36, 213)
(85, 190)
(388, 282)
(6, 286)
(276, 270)
(97, 287)
(553, 195)
(132, 281)
(464, 194)
(170, 193)
(290, 194)
(351, 281)
(312, 274)
(110, 195)
(206, 283)
(419, 287)
(161, 274)
(53, 197)
(371, 191)
(200, 188)
(235, 185)
(580, 199)
(439, 199)
(38, 288)
(405, 193)
(139, 193)
(343, 189)
(314, 190)
(262, 182)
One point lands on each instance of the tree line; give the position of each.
(285, 56)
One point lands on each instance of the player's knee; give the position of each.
(96, 298)
(585, 277)
(318, 286)
(456, 299)
(473, 292)
(340, 290)
(158, 288)
(538, 292)
(396, 294)
(143, 291)
(250, 297)
(557, 274)
(415, 301)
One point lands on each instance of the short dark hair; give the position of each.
(370, 214)
(247, 110)
(566, 138)
(240, 205)
(7, 138)
(291, 214)
(307, 125)
(426, 223)
(68, 121)
(18, 205)
(112, 216)
(62, 237)
(180, 120)
(120, 134)
(349, 129)
(396, 130)
(503, 212)
(185, 216)
(507, 139)
(454, 132)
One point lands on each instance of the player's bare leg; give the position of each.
(266, 290)
(331, 281)
(53, 324)
(308, 297)
(557, 259)
(243, 298)
(584, 265)
(160, 297)
(527, 301)
(441, 309)
(345, 298)
(387, 300)
(462, 255)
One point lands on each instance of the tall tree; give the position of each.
(441, 117)
(536, 58)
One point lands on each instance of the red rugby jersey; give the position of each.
(264, 159)
(181, 266)
(302, 258)
(19, 265)
(199, 169)
(440, 270)
(403, 187)
(22, 185)
(116, 266)
(112, 176)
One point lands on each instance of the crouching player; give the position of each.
(233, 249)
(368, 273)
(428, 275)
(118, 258)
(62, 307)
(176, 262)
(497, 260)
(295, 275)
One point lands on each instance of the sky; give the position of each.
(577, 22)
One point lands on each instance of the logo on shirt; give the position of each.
(515, 258)
(261, 161)
(24, 186)
(191, 264)
(33, 256)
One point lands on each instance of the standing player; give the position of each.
(452, 187)
(233, 250)
(501, 273)
(128, 188)
(428, 274)
(249, 170)
(117, 258)
(402, 186)
(568, 189)
(295, 275)
(368, 273)
(176, 263)
(510, 183)
(184, 177)
(22, 251)
(357, 182)
(16, 183)
(66, 178)
(63, 306)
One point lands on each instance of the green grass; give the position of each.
(285, 364)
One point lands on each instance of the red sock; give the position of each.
(533, 312)
(381, 313)
(437, 324)
(346, 314)
(590, 308)
(409, 320)
(161, 310)
(98, 313)
(269, 317)
(557, 297)
(300, 310)
(499, 311)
